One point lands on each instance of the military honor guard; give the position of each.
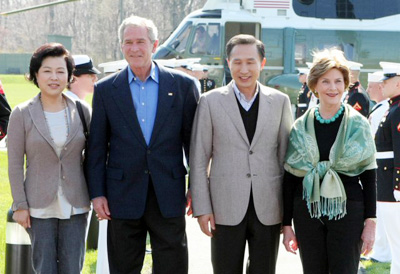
(314, 101)
(387, 142)
(381, 251)
(84, 77)
(206, 83)
(356, 96)
(375, 92)
(5, 111)
(304, 96)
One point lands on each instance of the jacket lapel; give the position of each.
(39, 120)
(123, 99)
(264, 111)
(166, 94)
(231, 107)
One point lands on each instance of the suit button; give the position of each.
(385, 168)
(398, 172)
(146, 171)
(65, 148)
(148, 152)
(63, 177)
(251, 152)
(396, 187)
(248, 175)
(397, 179)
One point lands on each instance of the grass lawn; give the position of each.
(376, 268)
(18, 90)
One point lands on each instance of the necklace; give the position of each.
(65, 116)
(331, 120)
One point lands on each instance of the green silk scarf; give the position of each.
(351, 154)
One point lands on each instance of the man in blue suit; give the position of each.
(141, 123)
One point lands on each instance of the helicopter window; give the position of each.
(346, 9)
(179, 42)
(206, 40)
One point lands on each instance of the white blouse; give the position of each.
(60, 207)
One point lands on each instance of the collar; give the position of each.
(240, 95)
(383, 102)
(154, 73)
(394, 100)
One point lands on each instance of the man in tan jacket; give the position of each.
(239, 141)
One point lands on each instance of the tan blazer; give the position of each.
(236, 167)
(29, 136)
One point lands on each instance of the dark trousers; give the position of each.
(228, 245)
(329, 246)
(127, 241)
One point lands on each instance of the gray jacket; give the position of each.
(224, 167)
(28, 136)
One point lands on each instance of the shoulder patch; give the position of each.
(357, 106)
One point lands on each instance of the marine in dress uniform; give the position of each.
(207, 84)
(304, 96)
(381, 251)
(84, 77)
(356, 96)
(5, 111)
(387, 142)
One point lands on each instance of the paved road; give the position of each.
(200, 256)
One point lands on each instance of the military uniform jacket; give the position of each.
(303, 99)
(358, 99)
(207, 84)
(5, 111)
(387, 142)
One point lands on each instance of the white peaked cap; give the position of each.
(354, 65)
(390, 69)
(375, 77)
(303, 70)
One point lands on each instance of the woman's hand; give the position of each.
(22, 217)
(368, 236)
(289, 239)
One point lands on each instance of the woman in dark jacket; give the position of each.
(330, 178)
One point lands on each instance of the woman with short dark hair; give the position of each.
(50, 196)
(330, 178)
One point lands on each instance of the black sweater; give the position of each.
(366, 191)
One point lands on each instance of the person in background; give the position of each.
(331, 150)
(375, 92)
(381, 251)
(387, 140)
(355, 96)
(239, 140)
(303, 97)
(83, 78)
(313, 99)
(206, 83)
(200, 73)
(5, 111)
(142, 120)
(201, 41)
(50, 195)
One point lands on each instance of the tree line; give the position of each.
(92, 24)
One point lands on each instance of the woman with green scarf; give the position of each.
(330, 176)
